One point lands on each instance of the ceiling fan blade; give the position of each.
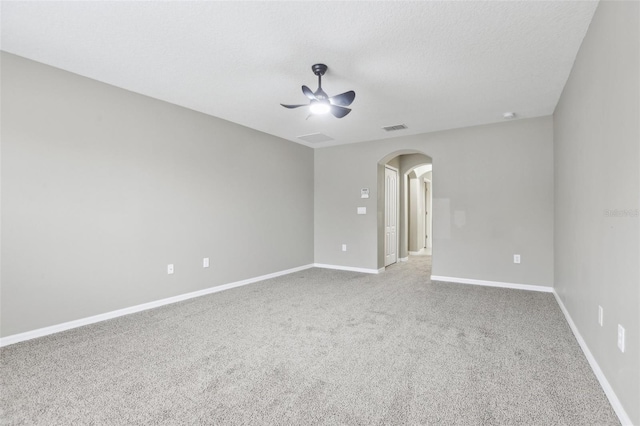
(294, 106)
(308, 93)
(343, 99)
(338, 111)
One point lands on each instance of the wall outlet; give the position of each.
(621, 338)
(170, 268)
(600, 315)
(344, 247)
(516, 258)
(362, 210)
(205, 262)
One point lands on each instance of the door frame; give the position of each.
(397, 172)
(428, 205)
(426, 217)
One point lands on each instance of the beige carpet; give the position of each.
(315, 347)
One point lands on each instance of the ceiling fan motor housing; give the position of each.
(321, 95)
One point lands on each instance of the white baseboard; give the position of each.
(492, 283)
(608, 390)
(348, 268)
(422, 252)
(40, 332)
(404, 259)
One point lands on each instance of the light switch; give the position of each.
(362, 210)
(621, 338)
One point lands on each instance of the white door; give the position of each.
(390, 216)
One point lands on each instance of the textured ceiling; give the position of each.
(429, 65)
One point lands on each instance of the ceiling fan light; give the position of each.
(319, 107)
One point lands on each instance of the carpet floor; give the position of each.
(315, 347)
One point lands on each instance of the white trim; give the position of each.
(348, 268)
(608, 390)
(40, 332)
(416, 253)
(492, 283)
(397, 213)
(404, 259)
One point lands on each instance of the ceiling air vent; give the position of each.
(315, 138)
(395, 127)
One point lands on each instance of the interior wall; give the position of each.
(102, 188)
(394, 162)
(428, 179)
(597, 191)
(498, 177)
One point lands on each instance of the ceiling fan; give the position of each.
(320, 102)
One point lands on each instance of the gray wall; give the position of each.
(102, 188)
(394, 162)
(500, 175)
(597, 140)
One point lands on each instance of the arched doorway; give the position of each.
(414, 169)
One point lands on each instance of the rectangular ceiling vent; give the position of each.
(395, 127)
(315, 138)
